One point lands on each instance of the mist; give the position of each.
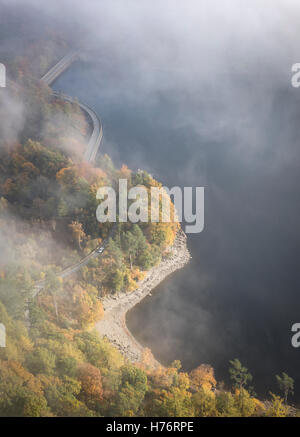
(200, 94)
(12, 118)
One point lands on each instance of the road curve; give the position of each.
(97, 131)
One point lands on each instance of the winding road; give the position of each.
(89, 155)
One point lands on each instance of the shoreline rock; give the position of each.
(113, 324)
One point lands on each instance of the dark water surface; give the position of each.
(240, 294)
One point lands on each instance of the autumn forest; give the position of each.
(55, 363)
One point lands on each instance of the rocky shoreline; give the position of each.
(113, 324)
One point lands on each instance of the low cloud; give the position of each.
(11, 118)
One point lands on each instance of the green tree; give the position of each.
(286, 385)
(34, 405)
(41, 360)
(131, 392)
(225, 404)
(66, 365)
(130, 246)
(239, 374)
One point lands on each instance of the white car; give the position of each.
(100, 250)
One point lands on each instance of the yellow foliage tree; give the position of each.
(203, 377)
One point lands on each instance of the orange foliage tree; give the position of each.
(91, 383)
(203, 377)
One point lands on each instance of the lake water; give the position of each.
(240, 294)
